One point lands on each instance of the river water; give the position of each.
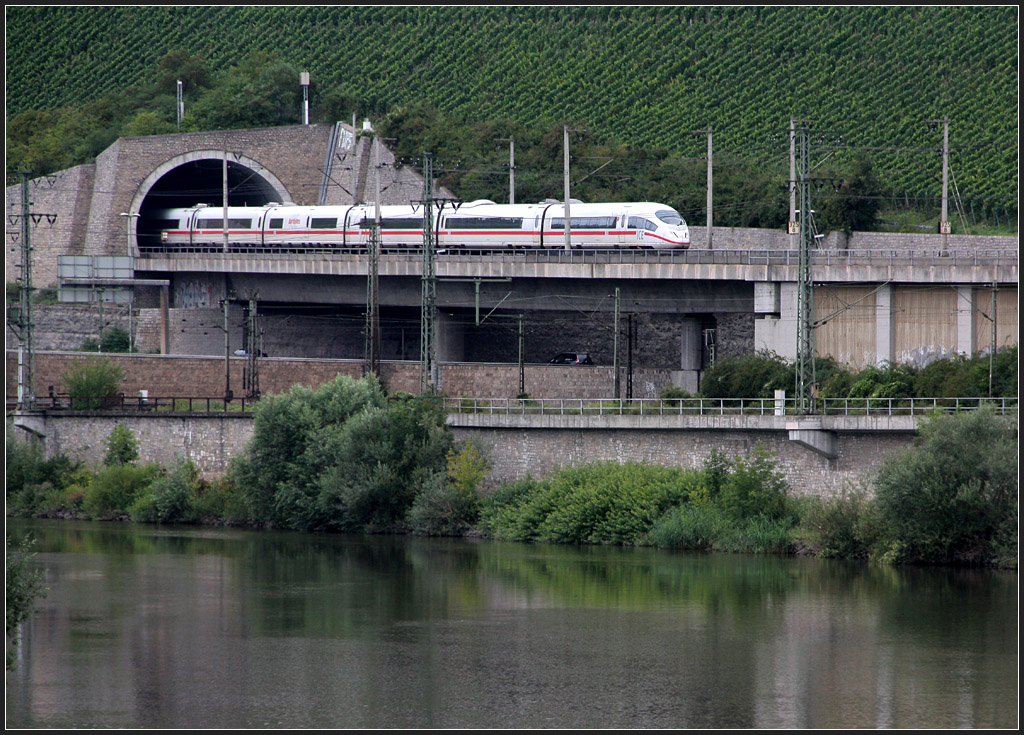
(185, 627)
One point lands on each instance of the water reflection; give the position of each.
(187, 627)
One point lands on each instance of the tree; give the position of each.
(23, 586)
(952, 497)
(122, 446)
(855, 203)
(92, 383)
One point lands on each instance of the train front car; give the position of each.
(657, 226)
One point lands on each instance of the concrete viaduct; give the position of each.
(878, 297)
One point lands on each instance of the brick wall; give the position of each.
(200, 376)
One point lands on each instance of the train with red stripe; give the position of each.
(478, 225)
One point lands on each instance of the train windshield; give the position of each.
(669, 217)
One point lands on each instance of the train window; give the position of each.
(669, 217)
(166, 224)
(218, 224)
(276, 224)
(323, 223)
(401, 223)
(484, 223)
(584, 223)
(639, 223)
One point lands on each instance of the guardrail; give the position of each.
(572, 406)
(723, 406)
(824, 258)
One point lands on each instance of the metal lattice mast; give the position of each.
(27, 382)
(372, 345)
(805, 286)
(428, 300)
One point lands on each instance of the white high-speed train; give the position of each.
(473, 225)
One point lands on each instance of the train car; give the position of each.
(479, 225)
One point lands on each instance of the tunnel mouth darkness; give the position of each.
(202, 182)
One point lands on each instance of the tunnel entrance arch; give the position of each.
(197, 177)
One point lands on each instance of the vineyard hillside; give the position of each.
(871, 77)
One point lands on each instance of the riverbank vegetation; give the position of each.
(960, 376)
(347, 458)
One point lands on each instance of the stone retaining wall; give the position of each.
(211, 441)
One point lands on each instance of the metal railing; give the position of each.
(162, 404)
(722, 406)
(821, 258)
(570, 406)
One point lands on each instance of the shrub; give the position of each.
(168, 499)
(295, 442)
(114, 489)
(754, 488)
(92, 383)
(952, 497)
(840, 525)
(122, 446)
(442, 509)
(384, 456)
(688, 527)
(601, 503)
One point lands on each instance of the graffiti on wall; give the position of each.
(193, 295)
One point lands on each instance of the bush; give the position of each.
(601, 503)
(92, 383)
(840, 526)
(384, 457)
(754, 488)
(296, 439)
(168, 499)
(442, 509)
(952, 497)
(122, 446)
(115, 489)
(688, 527)
(754, 376)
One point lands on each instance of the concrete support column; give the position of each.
(776, 329)
(885, 333)
(965, 310)
(691, 345)
(451, 339)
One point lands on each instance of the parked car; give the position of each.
(571, 358)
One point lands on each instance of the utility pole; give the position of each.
(522, 377)
(372, 347)
(629, 357)
(793, 227)
(252, 383)
(565, 167)
(225, 198)
(227, 353)
(710, 188)
(429, 372)
(511, 167)
(992, 342)
(615, 347)
(805, 378)
(304, 81)
(26, 354)
(944, 226)
(181, 104)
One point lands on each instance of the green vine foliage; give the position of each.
(641, 77)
